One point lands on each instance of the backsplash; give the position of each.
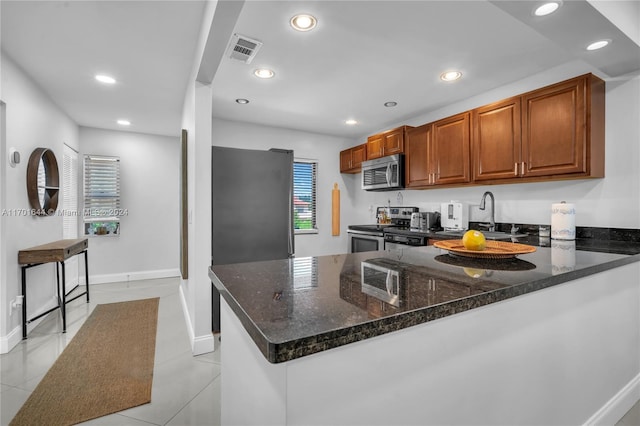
(582, 232)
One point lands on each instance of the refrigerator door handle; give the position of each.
(291, 250)
(291, 216)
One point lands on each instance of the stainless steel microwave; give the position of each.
(383, 174)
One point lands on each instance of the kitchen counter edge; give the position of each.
(308, 345)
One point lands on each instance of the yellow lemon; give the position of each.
(474, 240)
(473, 273)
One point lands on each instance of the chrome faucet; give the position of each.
(492, 223)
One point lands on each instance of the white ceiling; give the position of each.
(362, 54)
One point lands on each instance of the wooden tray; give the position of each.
(493, 249)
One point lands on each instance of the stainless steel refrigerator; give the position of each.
(251, 209)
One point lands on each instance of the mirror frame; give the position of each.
(52, 181)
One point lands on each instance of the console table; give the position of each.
(56, 251)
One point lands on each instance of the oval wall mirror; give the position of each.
(43, 181)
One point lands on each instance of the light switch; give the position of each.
(14, 157)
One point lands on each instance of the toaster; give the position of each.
(423, 221)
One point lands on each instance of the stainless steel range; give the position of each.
(412, 236)
(371, 237)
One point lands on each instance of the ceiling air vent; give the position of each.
(243, 48)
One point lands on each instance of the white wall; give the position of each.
(32, 120)
(610, 202)
(148, 245)
(313, 146)
(196, 119)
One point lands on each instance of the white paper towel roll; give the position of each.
(563, 256)
(563, 221)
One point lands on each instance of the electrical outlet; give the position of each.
(15, 304)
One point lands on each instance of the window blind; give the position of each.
(101, 187)
(305, 272)
(304, 194)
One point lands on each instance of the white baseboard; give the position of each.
(199, 344)
(617, 407)
(131, 276)
(14, 337)
(9, 341)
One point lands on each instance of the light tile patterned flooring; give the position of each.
(186, 389)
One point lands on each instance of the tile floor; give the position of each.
(186, 389)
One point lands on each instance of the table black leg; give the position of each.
(86, 273)
(63, 307)
(24, 303)
(58, 283)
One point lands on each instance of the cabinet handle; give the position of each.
(515, 169)
(522, 168)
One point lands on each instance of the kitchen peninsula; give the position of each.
(416, 336)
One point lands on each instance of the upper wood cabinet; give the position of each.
(351, 159)
(386, 143)
(451, 150)
(554, 131)
(496, 146)
(438, 153)
(563, 129)
(418, 167)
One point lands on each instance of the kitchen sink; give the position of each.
(489, 235)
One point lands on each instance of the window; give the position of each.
(102, 209)
(304, 196)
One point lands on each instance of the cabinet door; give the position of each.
(358, 155)
(451, 150)
(345, 160)
(496, 140)
(393, 142)
(374, 147)
(554, 119)
(418, 168)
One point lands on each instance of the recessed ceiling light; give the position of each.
(598, 44)
(124, 122)
(546, 8)
(264, 73)
(242, 101)
(303, 22)
(350, 122)
(105, 79)
(390, 104)
(450, 75)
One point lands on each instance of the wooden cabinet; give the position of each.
(386, 143)
(563, 129)
(351, 159)
(418, 168)
(496, 146)
(375, 147)
(451, 148)
(438, 153)
(556, 131)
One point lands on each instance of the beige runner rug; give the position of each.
(107, 367)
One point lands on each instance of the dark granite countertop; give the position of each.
(296, 307)
(604, 240)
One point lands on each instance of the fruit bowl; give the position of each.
(492, 250)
